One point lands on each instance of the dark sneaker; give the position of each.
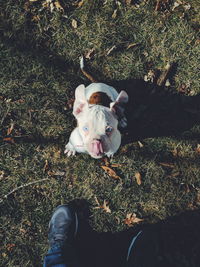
(62, 231)
(63, 226)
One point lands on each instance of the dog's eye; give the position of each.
(109, 129)
(85, 129)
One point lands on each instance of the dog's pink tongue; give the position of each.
(97, 147)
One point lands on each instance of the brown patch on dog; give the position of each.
(100, 98)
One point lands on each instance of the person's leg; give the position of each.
(62, 231)
(144, 250)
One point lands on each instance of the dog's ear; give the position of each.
(118, 108)
(119, 102)
(80, 100)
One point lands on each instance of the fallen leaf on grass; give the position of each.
(74, 24)
(108, 164)
(110, 172)
(162, 5)
(115, 165)
(10, 129)
(150, 76)
(131, 219)
(138, 178)
(174, 174)
(35, 18)
(81, 3)
(187, 188)
(132, 45)
(22, 231)
(106, 161)
(114, 15)
(1, 174)
(9, 140)
(129, 2)
(105, 206)
(183, 88)
(164, 74)
(168, 165)
(90, 54)
(198, 148)
(110, 50)
(46, 166)
(175, 152)
(197, 200)
(140, 144)
(10, 246)
(58, 6)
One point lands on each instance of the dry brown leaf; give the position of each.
(114, 15)
(35, 18)
(138, 178)
(110, 50)
(90, 54)
(58, 6)
(198, 148)
(129, 2)
(106, 161)
(175, 152)
(183, 88)
(187, 188)
(115, 165)
(131, 45)
(74, 24)
(105, 206)
(2, 174)
(110, 172)
(81, 3)
(175, 174)
(164, 74)
(46, 166)
(150, 76)
(140, 144)
(168, 165)
(197, 42)
(162, 5)
(10, 129)
(23, 231)
(9, 140)
(131, 219)
(197, 200)
(10, 247)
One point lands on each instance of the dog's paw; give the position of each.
(69, 150)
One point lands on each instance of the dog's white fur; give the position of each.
(97, 131)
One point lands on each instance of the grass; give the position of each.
(39, 72)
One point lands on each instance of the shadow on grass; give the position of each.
(178, 241)
(153, 112)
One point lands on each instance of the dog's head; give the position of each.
(98, 125)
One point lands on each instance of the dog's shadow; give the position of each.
(153, 111)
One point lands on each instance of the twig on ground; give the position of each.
(20, 187)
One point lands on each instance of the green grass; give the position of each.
(39, 69)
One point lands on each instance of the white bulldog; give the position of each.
(98, 109)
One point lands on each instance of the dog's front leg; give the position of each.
(75, 144)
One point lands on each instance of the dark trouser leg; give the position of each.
(144, 250)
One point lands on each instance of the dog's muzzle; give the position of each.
(96, 148)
